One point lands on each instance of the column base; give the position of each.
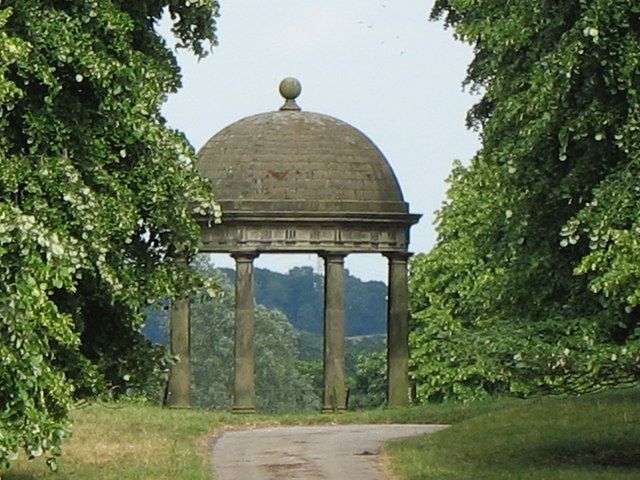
(332, 410)
(243, 410)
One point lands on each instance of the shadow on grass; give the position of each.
(602, 454)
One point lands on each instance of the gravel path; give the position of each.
(341, 452)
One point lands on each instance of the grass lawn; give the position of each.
(594, 437)
(129, 441)
(137, 441)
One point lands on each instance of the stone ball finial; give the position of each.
(290, 89)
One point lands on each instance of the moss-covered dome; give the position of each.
(299, 162)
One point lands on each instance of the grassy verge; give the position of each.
(594, 437)
(129, 441)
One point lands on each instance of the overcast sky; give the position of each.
(379, 65)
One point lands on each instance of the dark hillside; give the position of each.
(299, 295)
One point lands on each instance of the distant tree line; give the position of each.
(299, 294)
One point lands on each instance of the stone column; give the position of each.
(244, 356)
(398, 332)
(335, 395)
(178, 392)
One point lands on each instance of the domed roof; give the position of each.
(297, 162)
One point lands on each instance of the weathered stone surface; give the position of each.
(294, 181)
(335, 392)
(178, 392)
(299, 162)
(398, 332)
(266, 234)
(245, 326)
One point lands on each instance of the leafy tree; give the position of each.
(313, 370)
(96, 201)
(369, 388)
(365, 367)
(358, 346)
(534, 283)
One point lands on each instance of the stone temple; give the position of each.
(291, 181)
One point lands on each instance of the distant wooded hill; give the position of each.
(299, 295)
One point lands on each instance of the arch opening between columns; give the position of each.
(334, 392)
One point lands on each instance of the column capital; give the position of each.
(398, 256)
(333, 256)
(244, 256)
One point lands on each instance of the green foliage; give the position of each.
(357, 347)
(533, 283)
(310, 346)
(313, 370)
(96, 202)
(280, 384)
(370, 381)
(365, 367)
